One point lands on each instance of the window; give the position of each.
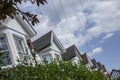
(20, 46)
(5, 57)
(57, 57)
(47, 57)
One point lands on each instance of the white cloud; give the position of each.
(95, 51)
(108, 36)
(70, 27)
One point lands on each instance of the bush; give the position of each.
(51, 71)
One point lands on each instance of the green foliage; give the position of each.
(51, 71)
(1, 53)
(9, 8)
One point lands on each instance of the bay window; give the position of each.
(20, 47)
(4, 52)
(47, 57)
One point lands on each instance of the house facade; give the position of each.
(95, 65)
(87, 60)
(14, 34)
(49, 47)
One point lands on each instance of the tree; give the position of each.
(9, 8)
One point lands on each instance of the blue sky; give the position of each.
(110, 56)
(92, 25)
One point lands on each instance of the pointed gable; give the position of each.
(104, 68)
(19, 25)
(26, 26)
(48, 40)
(94, 64)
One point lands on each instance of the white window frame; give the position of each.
(21, 47)
(43, 57)
(8, 50)
(57, 56)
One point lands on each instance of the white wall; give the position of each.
(13, 28)
(90, 63)
(13, 24)
(53, 49)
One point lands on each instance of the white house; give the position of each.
(49, 47)
(73, 54)
(14, 34)
(87, 61)
(95, 65)
(102, 68)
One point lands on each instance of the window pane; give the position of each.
(20, 47)
(0, 47)
(57, 57)
(4, 53)
(47, 57)
(21, 55)
(2, 40)
(5, 58)
(4, 47)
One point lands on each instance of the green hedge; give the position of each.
(51, 71)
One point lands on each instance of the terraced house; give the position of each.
(14, 34)
(49, 47)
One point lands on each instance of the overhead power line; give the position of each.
(59, 20)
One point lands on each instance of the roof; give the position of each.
(94, 63)
(113, 72)
(26, 25)
(70, 53)
(104, 68)
(85, 58)
(43, 41)
(46, 40)
(98, 65)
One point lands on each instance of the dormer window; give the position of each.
(4, 57)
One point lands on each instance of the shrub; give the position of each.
(51, 71)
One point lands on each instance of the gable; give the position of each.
(57, 43)
(49, 39)
(13, 24)
(26, 26)
(19, 25)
